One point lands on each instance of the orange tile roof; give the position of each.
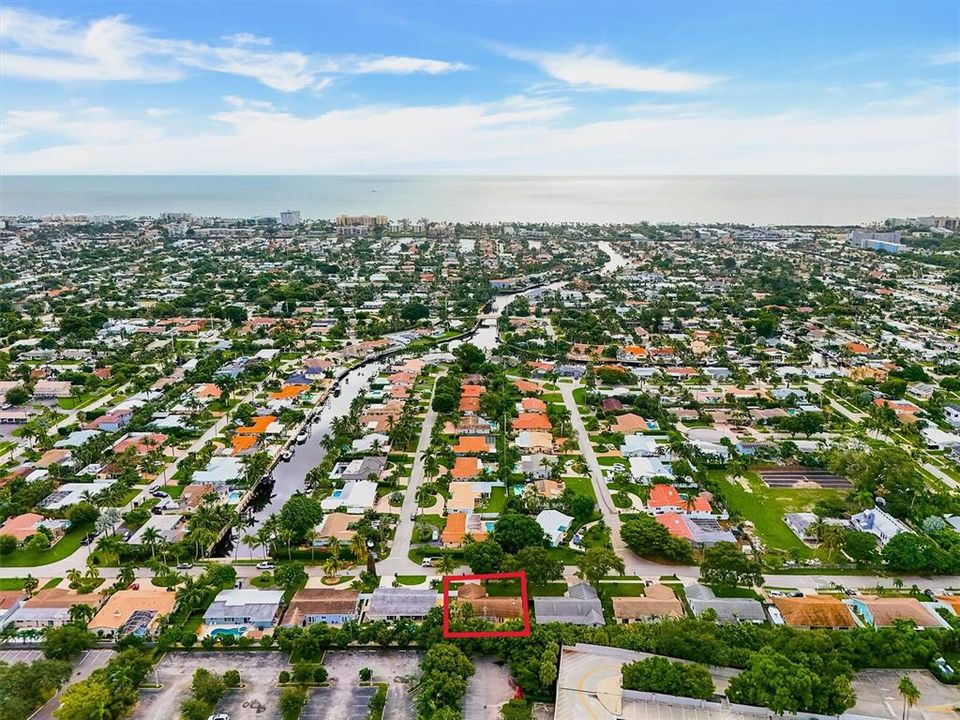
(258, 426)
(814, 611)
(533, 405)
(629, 422)
(466, 467)
(242, 443)
(288, 392)
(472, 390)
(472, 444)
(664, 496)
(469, 404)
(525, 386)
(532, 421)
(674, 523)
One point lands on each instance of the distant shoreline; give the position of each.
(809, 200)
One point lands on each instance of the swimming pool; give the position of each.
(234, 631)
(234, 497)
(336, 493)
(489, 524)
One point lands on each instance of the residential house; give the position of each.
(401, 602)
(887, 611)
(531, 442)
(659, 603)
(459, 525)
(878, 523)
(50, 608)
(555, 525)
(335, 529)
(23, 526)
(329, 606)
(357, 497)
(727, 610)
(814, 612)
(494, 609)
(132, 612)
(244, 608)
(579, 606)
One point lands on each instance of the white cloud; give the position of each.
(945, 57)
(398, 65)
(39, 47)
(590, 68)
(515, 135)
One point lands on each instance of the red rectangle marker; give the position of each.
(521, 575)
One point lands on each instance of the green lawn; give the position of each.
(623, 589)
(511, 588)
(411, 579)
(497, 501)
(173, 491)
(68, 545)
(580, 485)
(735, 592)
(765, 508)
(11, 583)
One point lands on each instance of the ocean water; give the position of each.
(828, 200)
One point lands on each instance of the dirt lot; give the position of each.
(397, 668)
(487, 690)
(258, 672)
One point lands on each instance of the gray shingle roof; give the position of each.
(568, 610)
(401, 602)
(730, 610)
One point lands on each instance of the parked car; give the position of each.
(265, 565)
(184, 565)
(301, 438)
(287, 454)
(426, 562)
(219, 716)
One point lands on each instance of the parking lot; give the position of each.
(877, 695)
(398, 668)
(259, 698)
(487, 690)
(340, 700)
(88, 662)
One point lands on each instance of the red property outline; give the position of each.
(522, 575)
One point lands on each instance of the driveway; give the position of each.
(398, 668)
(258, 673)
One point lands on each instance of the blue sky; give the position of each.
(494, 87)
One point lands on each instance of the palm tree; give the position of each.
(309, 537)
(75, 577)
(251, 541)
(358, 546)
(898, 584)
(447, 563)
(192, 593)
(832, 539)
(265, 536)
(332, 566)
(909, 693)
(81, 613)
(151, 536)
(202, 537)
(126, 576)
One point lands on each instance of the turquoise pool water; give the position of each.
(236, 632)
(490, 525)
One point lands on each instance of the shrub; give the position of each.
(284, 677)
(319, 674)
(366, 674)
(231, 678)
(292, 701)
